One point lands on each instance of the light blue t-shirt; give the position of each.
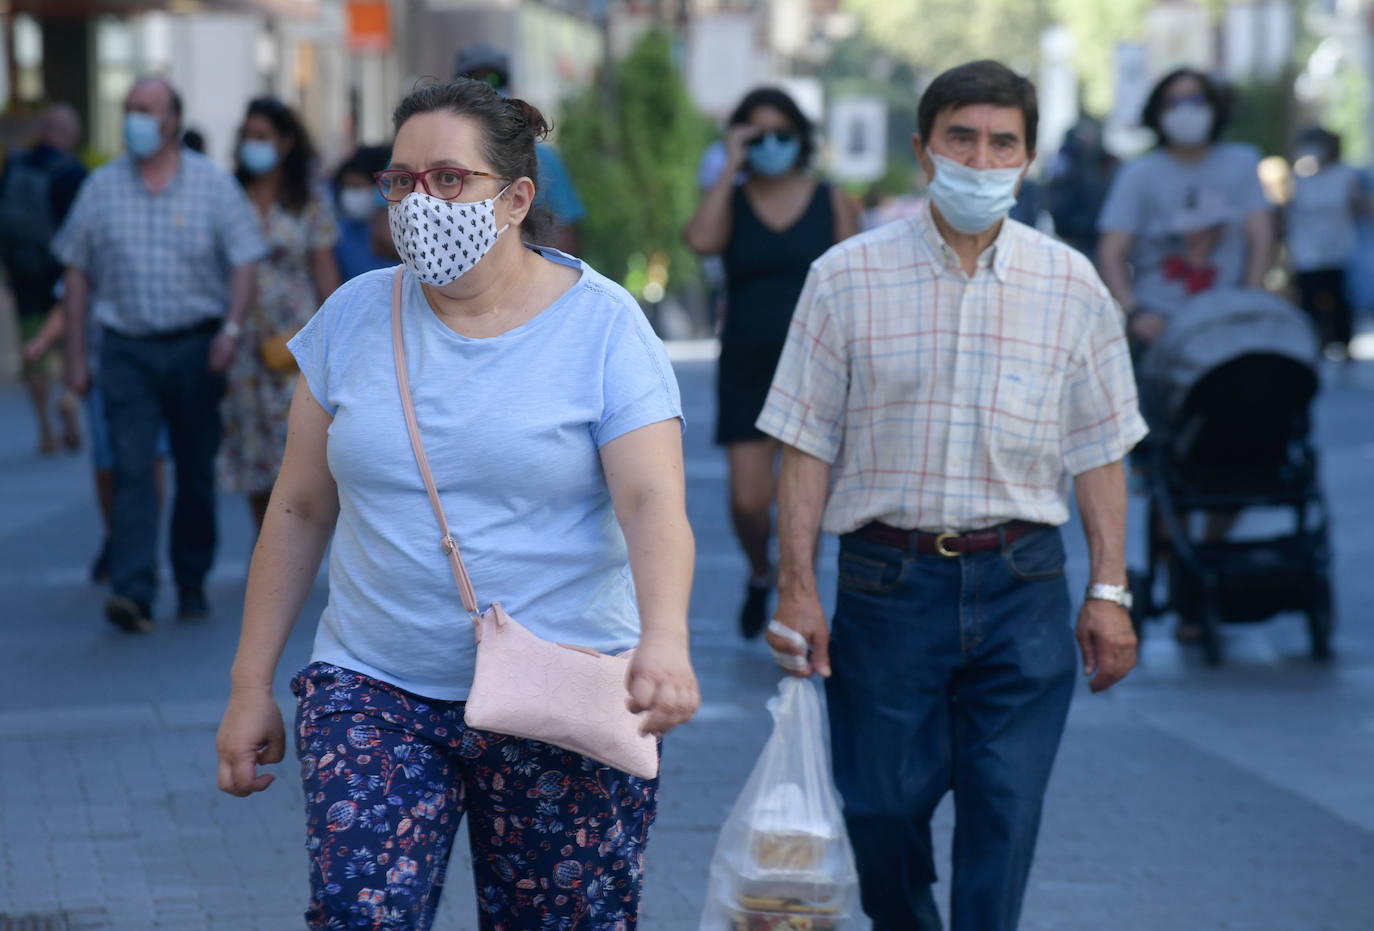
(512, 427)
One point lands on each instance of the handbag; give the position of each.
(570, 696)
(274, 354)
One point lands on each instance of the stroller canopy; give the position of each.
(1214, 328)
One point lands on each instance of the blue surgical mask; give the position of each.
(773, 156)
(972, 200)
(1187, 124)
(258, 156)
(142, 134)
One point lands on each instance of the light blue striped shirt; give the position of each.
(161, 262)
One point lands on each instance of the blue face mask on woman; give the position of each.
(258, 156)
(774, 154)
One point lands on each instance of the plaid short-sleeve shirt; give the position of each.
(160, 262)
(950, 403)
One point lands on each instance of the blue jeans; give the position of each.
(948, 673)
(146, 383)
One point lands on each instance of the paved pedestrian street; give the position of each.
(1186, 798)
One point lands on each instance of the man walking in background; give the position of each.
(946, 379)
(165, 242)
(555, 190)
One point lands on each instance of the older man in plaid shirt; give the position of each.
(166, 243)
(946, 380)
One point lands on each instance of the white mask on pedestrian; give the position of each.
(1187, 124)
(357, 203)
(969, 199)
(441, 240)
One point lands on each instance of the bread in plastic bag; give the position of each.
(783, 860)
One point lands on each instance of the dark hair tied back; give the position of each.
(510, 130)
(532, 119)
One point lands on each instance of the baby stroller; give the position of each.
(1227, 388)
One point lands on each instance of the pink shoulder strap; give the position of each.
(447, 542)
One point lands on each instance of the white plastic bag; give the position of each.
(783, 861)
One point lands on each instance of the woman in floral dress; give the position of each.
(275, 159)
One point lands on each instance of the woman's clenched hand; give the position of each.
(661, 682)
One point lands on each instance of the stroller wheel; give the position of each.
(1320, 621)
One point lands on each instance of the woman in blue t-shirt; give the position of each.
(552, 421)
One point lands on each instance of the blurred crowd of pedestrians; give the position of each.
(179, 293)
(174, 288)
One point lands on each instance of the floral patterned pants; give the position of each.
(557, 839)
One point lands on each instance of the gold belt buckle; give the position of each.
(940, 542)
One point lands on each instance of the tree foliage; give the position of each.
(937, 34)
(933, 35)
(1347, 113)
(1263, 113)
(859, 66)
(1097, 26)
(634, 164)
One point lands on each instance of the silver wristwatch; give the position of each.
(1116, 594)
(231, 329)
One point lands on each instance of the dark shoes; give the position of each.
(132, 615)
(192, 605)
(753, 614)
(127, 614)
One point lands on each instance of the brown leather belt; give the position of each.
(948, 544)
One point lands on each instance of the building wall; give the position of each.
(726, 56)
(213, 64)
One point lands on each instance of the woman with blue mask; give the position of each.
(275, 165)
(768, 217)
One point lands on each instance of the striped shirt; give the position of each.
(947, 403)
(160, 263)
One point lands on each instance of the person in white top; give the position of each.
(1187, 216)
(1328, 198)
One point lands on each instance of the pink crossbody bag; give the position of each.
(525, 686)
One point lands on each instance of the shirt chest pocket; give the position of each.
(1021, 400)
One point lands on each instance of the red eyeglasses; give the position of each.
(444, 182)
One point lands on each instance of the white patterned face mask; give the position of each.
(441, 240)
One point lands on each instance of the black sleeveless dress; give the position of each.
(764, 274)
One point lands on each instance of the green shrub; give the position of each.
(634, 162)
